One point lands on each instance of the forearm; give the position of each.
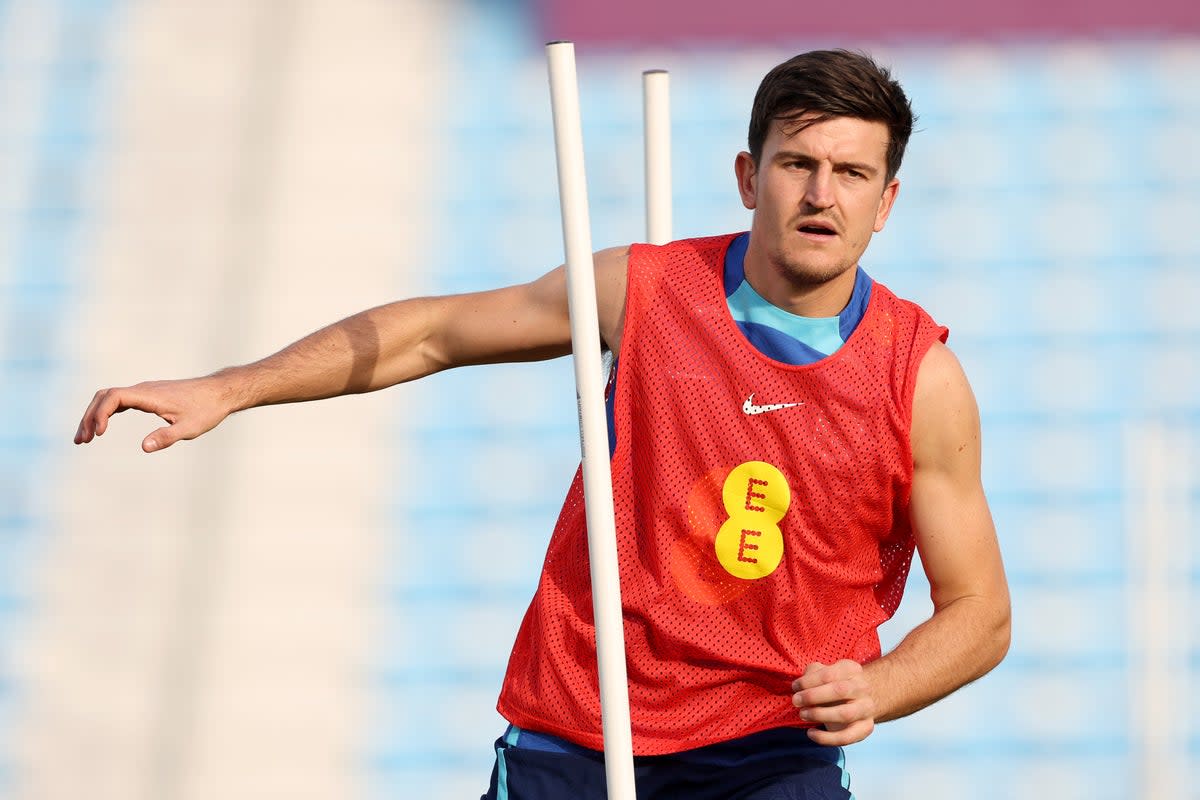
(371, 350)
(961, 642)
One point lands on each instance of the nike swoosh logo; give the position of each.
(750, 409)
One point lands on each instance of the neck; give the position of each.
(795, 294)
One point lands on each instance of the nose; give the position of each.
(818, 192)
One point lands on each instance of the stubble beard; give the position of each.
(803, 273)
(807, 267)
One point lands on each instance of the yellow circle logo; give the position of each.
(749, 543)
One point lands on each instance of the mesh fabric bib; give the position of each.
(762, 516)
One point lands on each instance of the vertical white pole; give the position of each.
(1149, 533)
(656, 109)
(1183, 600)
(593, 427)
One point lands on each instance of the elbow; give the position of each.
(999, 637)
(1004, 633)
(988, 632)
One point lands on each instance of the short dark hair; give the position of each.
(832, 83)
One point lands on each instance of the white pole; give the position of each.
(656, 108)
(1149, 534)
(1185, 601)
(593, 427)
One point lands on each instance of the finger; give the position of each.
(812, 676)
(839, 715)
(87, 425)
(833, 692)
(105, 407)
(847, 735)
(163, 438)
(816, 674)
(113, 401)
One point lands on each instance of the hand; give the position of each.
(838, 697)
(191, 407)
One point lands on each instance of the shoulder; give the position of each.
(649, 263)
(945, 418)
(940, 370)
(612, 257)
(700, 246)
(612, 267)
(612, 277)
(909, 308)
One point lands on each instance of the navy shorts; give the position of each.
(778, 764)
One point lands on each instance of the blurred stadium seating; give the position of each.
(320, 601)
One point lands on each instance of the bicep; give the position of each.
(517, 323)
(527, 322)
(955, 535)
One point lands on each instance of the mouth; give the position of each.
(817, 231)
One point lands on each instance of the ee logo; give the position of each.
(756, 496)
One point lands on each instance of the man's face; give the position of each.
(818, 194)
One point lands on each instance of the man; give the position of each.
(785, 432)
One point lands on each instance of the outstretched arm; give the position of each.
(373, 349)
(968, 633)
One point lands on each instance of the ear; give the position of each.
(747, 178)
(886, 202)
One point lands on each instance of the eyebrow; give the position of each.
(795, 155)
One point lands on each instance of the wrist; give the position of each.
(231, 389)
